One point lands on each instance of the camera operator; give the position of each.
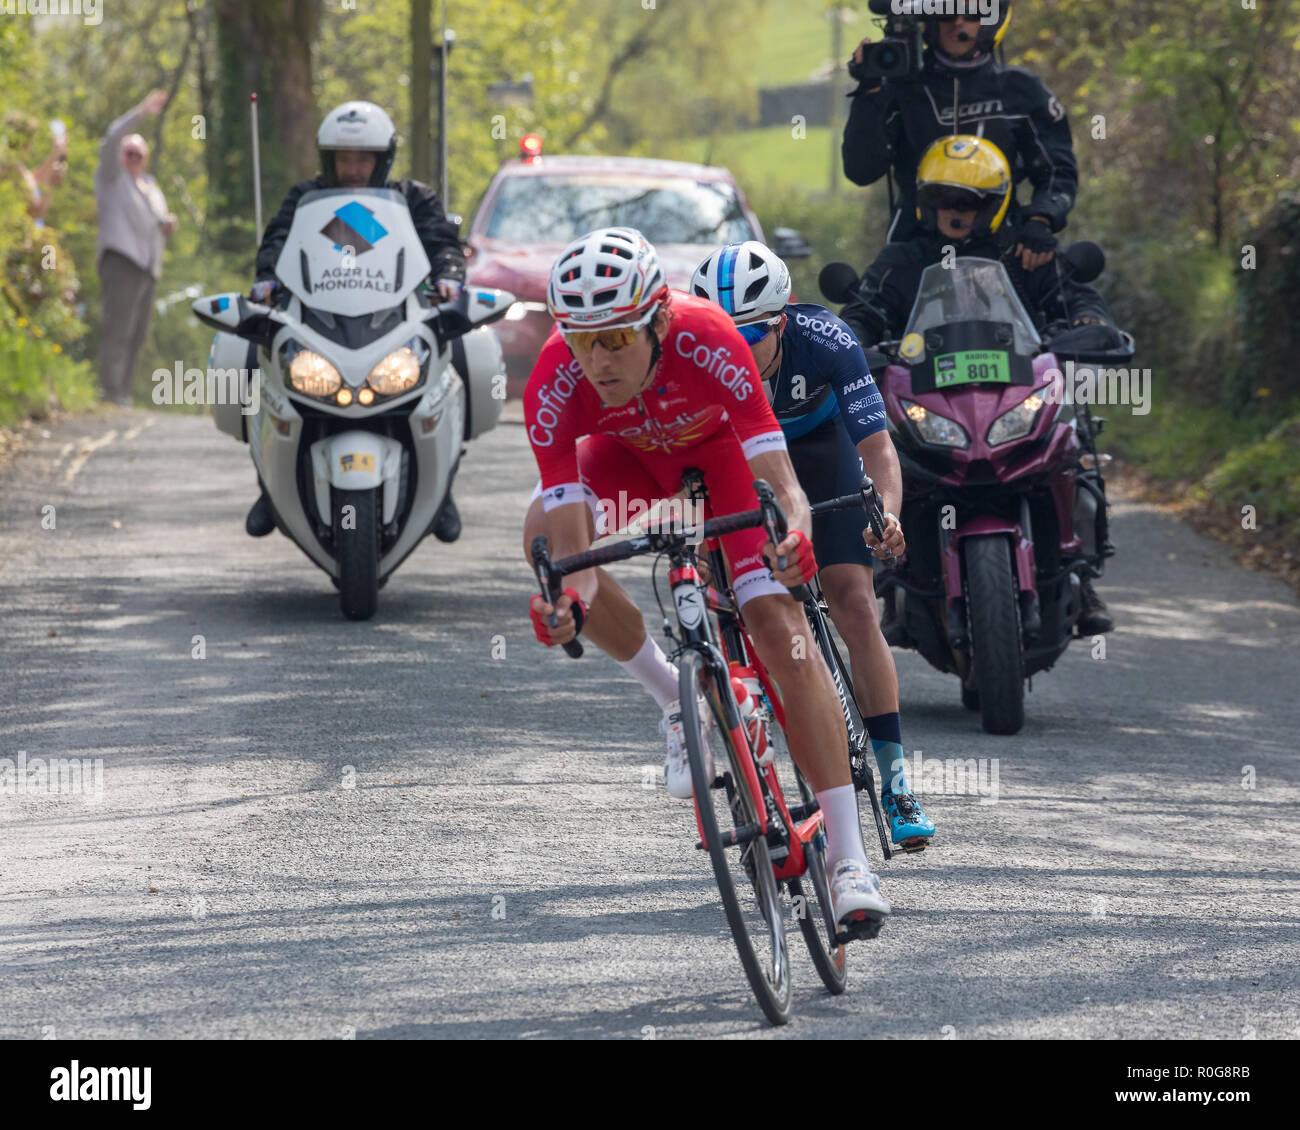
(928, 72)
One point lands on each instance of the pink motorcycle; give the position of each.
(1003, 499)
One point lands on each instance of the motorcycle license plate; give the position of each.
(974, 366)
(356, 463)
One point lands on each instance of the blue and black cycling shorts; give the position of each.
(828, 466)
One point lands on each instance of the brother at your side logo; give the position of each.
(101, 1084)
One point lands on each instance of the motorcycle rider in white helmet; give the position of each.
(358, 144)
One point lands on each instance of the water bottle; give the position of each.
(747, 688)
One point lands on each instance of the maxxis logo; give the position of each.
(717, 363)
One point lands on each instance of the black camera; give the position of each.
(897, 56)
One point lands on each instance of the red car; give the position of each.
(537, 205)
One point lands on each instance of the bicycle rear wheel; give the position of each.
(746, 881)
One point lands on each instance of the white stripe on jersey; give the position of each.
(761, 445)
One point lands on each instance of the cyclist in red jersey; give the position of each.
(637, 384)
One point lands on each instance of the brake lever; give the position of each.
(775, 525)
(875, 517)
(551, 591)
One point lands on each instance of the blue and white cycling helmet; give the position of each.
(749, 281)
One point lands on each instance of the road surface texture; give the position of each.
(428, 826)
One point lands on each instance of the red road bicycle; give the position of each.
(761, 845)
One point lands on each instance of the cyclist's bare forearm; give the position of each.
(614, 624)
(776, 468)
(880, 461)
(568, 529)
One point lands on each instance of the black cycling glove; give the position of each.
(1036, 236)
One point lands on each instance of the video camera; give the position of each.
(898, 55)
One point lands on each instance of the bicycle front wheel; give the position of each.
(746, 881)
(812, 907)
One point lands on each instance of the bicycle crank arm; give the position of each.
(735, 836)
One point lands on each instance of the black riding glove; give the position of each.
(1036, 236)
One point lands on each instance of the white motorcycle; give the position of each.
(357, 394)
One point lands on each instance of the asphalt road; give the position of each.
(498, 867)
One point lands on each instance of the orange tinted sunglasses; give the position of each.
(612, 338)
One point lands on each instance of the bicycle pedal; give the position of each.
(863, 928)
(914, 845)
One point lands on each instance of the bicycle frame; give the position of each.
(693, 600)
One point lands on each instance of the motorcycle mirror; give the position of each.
(1086, 260)
(838, 281)
(233, 313)
(476, 306)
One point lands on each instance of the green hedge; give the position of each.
(37, 375)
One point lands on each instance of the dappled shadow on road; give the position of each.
(416, 960)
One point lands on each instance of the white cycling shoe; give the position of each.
(860, 909)
(677, 766)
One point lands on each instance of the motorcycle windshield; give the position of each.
(352, 251)
(972, 290)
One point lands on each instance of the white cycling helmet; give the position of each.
(357, 125)
(603, 277)
(748, 280)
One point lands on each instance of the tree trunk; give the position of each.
(421, 90)
(263, 48)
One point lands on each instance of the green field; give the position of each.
(766, 158)
(795, 41)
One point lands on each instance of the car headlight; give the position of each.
(1017, 423)
(398, 372)
(310, 373)
(934, 428)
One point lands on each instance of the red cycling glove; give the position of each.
(542, 628)
(804, 551)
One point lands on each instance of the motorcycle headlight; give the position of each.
(401, 370)
(310, 373)
(934, 428)
(1017, 423)
(398, 372)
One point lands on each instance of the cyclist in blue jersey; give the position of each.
(816, 376)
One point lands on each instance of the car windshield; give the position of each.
(971, 290)
(559, 209)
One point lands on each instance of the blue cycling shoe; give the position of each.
(910, 828)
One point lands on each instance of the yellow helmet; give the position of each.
(964, 171)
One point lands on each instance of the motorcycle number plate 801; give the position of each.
(974, 366)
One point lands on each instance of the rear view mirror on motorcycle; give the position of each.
(233, 313)
(1084, 260)
(476, 306)
(838, 281)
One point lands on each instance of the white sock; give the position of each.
(843, 831)
(650, 668)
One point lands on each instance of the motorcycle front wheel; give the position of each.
(356, 543)
(995, 633)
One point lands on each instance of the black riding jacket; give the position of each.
(1009, 105)
(888, 290)
(439, 235)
